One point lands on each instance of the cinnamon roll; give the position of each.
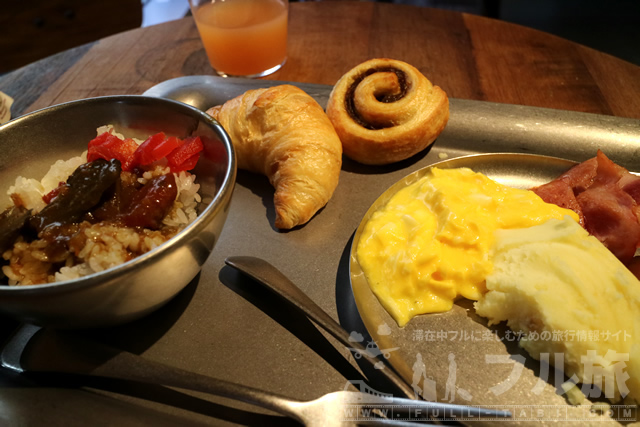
(385, 110)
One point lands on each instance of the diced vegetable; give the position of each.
(182, 158)
(180, 155)
(47, 198)
(107, 146)
(155, 148)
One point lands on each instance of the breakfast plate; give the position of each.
(455, 356)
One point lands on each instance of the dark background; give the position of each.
(34, 29)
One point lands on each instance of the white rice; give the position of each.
(31, 190)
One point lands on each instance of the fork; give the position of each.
(79, 356)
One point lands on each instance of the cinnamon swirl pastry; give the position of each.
(385, 110)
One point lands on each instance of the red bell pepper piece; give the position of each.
(155, 148)
(188, 164)
(107, 146)
(181, 155)
(186, 156)
(47, 198)
(143, 154)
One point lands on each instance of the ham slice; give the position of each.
(606, 197)
(559, 192)
(563, 190)
(610, 216)
(581, 176)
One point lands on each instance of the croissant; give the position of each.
(385, 111)
(283, 133)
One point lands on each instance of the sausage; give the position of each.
(151, 203)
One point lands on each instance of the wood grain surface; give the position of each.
(469, 56)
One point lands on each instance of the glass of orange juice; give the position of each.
(243, 38)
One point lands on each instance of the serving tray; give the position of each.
(226, 326)
(316, 256)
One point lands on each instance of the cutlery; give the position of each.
(274, 280)
(271, 278)
(76, 355)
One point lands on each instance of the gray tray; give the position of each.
(226, 326)
(316, 256)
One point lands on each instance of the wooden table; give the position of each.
(469, 56)
(214, 327)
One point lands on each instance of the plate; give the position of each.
(457, 347)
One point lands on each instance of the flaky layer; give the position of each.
(283, 133)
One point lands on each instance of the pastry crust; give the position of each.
(385, 110)
(283, 133)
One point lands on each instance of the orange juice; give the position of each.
(244, 37)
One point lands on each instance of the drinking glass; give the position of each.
(243, 38)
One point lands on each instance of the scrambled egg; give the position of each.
(569, 295)
(430, 243)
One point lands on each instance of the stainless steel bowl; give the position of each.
(32, 143)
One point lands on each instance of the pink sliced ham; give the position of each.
(607, 199)
(610, 216)
(559, 192)
(630, 183)
(581, 176)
